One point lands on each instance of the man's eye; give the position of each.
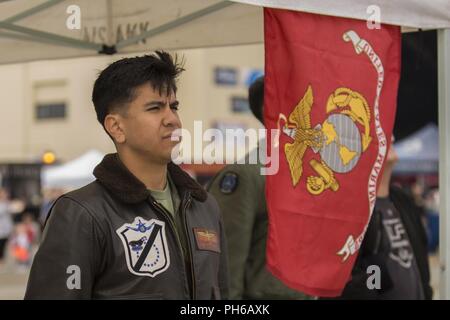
(153, 109)
(174, 107)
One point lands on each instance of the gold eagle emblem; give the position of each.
(338, 139)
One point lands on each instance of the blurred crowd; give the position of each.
(21, 226)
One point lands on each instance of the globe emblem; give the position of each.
(339, 140)
(341, 146)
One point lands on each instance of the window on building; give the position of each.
(50, 100)
(50, 111)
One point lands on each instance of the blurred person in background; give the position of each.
(17, 207)
(50, 195)
(21, 247)
(6, 224)
(396, 242)
(417, 190)
(23, 241)
(432, 218)
(240, 191)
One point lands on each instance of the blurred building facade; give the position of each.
(46, 105)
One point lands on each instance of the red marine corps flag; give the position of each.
(331, 90)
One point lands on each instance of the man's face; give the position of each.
(149, 122)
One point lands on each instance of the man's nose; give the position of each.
(170, 117)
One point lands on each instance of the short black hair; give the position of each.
(116, 84)
(256, 98)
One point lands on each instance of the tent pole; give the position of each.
(21, 37)
(444, 158)
(33, 10)
(109, 23)
(57, 39)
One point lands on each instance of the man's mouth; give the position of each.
(174, 136)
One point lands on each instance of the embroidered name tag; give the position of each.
(207, 239)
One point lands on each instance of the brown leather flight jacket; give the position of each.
(112, 240)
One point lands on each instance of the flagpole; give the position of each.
(444, 158)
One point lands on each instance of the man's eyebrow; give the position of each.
(158, 103)
(154, 103)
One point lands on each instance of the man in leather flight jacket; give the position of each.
(144, 229)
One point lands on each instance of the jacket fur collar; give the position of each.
(118, 180)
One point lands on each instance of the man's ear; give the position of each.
(114, 127)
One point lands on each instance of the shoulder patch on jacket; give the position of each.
(229, 182)
(145, 246)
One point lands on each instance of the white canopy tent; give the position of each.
(36, 29)
(419, 152)
(73, 174)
